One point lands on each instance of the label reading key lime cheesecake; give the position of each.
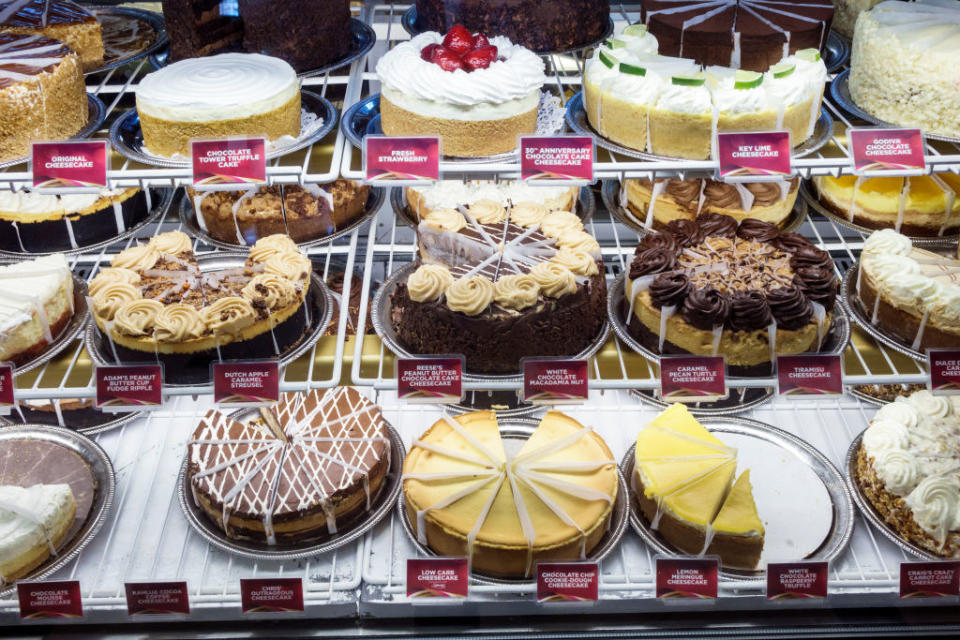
(753, 157)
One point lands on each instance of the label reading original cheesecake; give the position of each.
(687, 577)
(552, 160)
(7, 395)
(568, 582)
(50, 599)
(554, 381)
(260, 595)
(153, 598)
(430, 380)
(796, 580)
(390, 161)
(944, 367)
(938, 579)
(251, 383)
(693, 378)
(887, 152)
(227, 162)
(753, 157)
(74, 167)
(437, 578)
(129, 387)
(810, 375)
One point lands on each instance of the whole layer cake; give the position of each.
(908, 293)
(657, 203)
(60, 20)
(304, 212)
(907, 468)
(42, 95)
(155, 303)
(499, 281)
(34, 522)
(744, 291)
(307, 34)
(451, 194)
(36, 222)
(559, 25)
(903, 64)
(467, 493)
(684, 484)
(304, 469)
(916, 206)
(36, 303)
(846, 13)
(673, 107)
(746, 34)
(231, 94)
(477, 94)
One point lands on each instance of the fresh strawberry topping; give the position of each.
(462, 50)
(481, 58)
(459, 40)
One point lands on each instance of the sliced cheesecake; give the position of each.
(34, 522)
(36, 303)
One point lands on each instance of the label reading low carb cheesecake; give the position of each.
(554, 381)
(568, 582)
(129, 387)
(389, 161)
(69, 167)
(430, 380)
(687, 577)
(50, 599)
(552, 160)
(260, 595)
(228, 162)
(796, 580)
(944, 367)
(887, 152)
(810, 375)
(753, 157)
(251, 383)
(939, 579)
(153, 598)
(693, 378)
(7, 395)
(437, 578)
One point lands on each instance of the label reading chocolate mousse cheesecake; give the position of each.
(7, 395)
(78, 166)
(693, 378)
(887, 152)
(225, 163)
(389, 161)
(552, 160)
(753, 157)
(430, 380)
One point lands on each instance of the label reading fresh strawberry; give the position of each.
(462, 50)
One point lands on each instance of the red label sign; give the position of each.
(131, 387)
(930, 579)
(944, 367)
(430, 380)
(549, 159)
(753, 156)
(568, 582)
(7, 396)
(50, 599)
(692, 378)
(157, 597)
(879, 152)
(399, 161)
(73, 166)
(687, 577)
(246, 383)
(812, 374)
(437, 578)
(229, 161)
(796, 580)
(271, 594)
(554, 381)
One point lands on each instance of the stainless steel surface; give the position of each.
(155, 20)
(740, 400)
(96, 113)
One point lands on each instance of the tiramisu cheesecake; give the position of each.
(477, 93)
(36, 303)
(60, 20)
(34, 523)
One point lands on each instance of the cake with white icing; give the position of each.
(846, 13)
(34, 522)
(36, 303)
(305, 469)
(60, 20)
(450, 194)
(231, 94)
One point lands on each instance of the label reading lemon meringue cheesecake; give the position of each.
(393, 161)
(549, 160)
(430, 380)
(129, 387)
(944, 367)
(223, 163)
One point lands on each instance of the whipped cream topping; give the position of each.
(30, 202)
(450, 194)
(28, 518)
(26, 286)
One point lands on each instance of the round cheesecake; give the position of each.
(60, 20)
(846, 13)
(231, 94)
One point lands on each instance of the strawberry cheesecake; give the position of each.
(477, 93)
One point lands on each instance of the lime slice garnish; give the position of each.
(609, 60)
(638, 30)
(783, 69)
(809, 55)
(632, 69)
(688, 81)
(747, 79)
(614, 43)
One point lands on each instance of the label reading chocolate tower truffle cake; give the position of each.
(222, 164)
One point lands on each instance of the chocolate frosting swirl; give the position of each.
(706, 308)
(687, 233)
(764, 193)
(721, 195)
(820, 285)
(653, 261)
(791, 242)
(717, 224)
(659, 240)
(758, 230)
(749, 311)
(791, 308)
(669, 289)
(684, 191)
(811, 257)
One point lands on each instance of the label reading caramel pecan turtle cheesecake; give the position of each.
(693, 378)
(222, 164)
(77, 166)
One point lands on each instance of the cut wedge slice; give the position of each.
(739, 511)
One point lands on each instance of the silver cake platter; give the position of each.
(105, 482)
(866, 397)
(505, 403)
(836, 52)
(740, 400)
(110, 421)
(110, 15)
(380, 505)
(96, 113)
(362, 39)
(834, 343)
(319, 301)
(586, 206)
(808, 194)
(772, 489)
(611, 195)
(578, 122)
(516, 431)
(127, 137)
(383, 325)
(840, 92)
(160, 199)
(189, 218)
(409, 20)
(869, 512)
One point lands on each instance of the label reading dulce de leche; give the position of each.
(129, 387)
(687, 577)
(554, 381)
(393, 161)
(69, 166)
(228, 162)
(568, 582)
(153, 598)
(549, 160)
(430, 380)
(944, 367)
(7, 395)
(259, 595)
(938, 579)
(753, 157)
(437, 578)
(796, 580)
(693, 378)
(50, 599)
(887, 152)
(246, 384)
(813, 374)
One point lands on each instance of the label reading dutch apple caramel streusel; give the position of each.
(568, 582)
(937, 579)
(129, 387)
(154, 598)
(796, 580)
(554, 381)
(225, 163)
(548, 160)
(50, 599)
(811, 374)
(693, 378)
(76, 166)
(944, 367)
(259, 595)
(753, 157)
(687, 577)
(430, 380)
(437, 578)
(393, 161)
(246, 384)
(7, 396)
(887, 152)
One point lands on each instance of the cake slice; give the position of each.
(34, 522)
(60, 20)
(36, 302)
(741, 533)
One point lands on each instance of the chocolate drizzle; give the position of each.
(670, 289)
(706, 308)
(758, 230)
(791, 308)
(749, 311)
(717, 224)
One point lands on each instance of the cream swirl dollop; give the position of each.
(113, 296)
(229, 315)
(138, 258)
(578, 241)
(883, 435)
(137, 318)
(446, 219)
(884, 266)
(178, 322)
(110, 275)
(887, 242)
(172, 243)
(470, 296)
(294, 266)
(930, 405)
(555, 280)
(578, 261)
(899, 411)
(487, 211)
(899, 470)
(557, 223)
(275, 292)
(516, 292)
(527, 214)
(945, 308)
(278, 243)
(934, 503)
(429, 282)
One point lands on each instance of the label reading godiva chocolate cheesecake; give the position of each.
(246, 384)
(937, 579)
(753, 157)
(50, 599)
(549, 160)
(794, 580)
(430, 380)
(944, 367)
(687, 577)
(129, 387)
(259, 595)
(554, 381)
(72, 167)
(437, 578)
(401, 161)
(7, 396)
(811, 374)
(568, 582)
(693, 378)
(887, 152)
(227, 162)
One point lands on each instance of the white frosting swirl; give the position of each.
(884, 266)
(887, 242)
(899, 470)
(899, 411)
(884, 435)
(527, 214)
(488, 211)
(557, 223)
(172, 243)
(470, 296)
(935, 505)
(446, 219)
(929, 405)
